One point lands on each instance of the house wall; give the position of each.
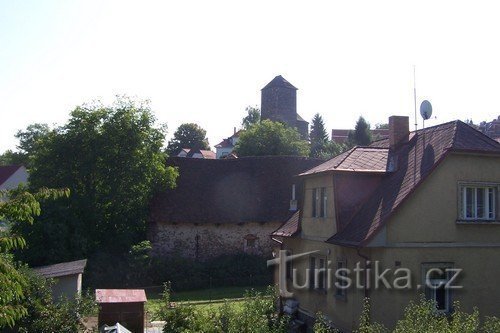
(67, 286)
(20, 176)
(212, 239)
(317, 228)
(344, 312)
(431, 214)
(225, 150)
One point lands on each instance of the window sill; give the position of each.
(478, 222)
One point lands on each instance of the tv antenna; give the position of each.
(415, 96)
(425, 111)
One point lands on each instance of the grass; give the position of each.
(204, 299)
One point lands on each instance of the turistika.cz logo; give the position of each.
(364, 275)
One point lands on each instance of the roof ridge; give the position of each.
(349, 152)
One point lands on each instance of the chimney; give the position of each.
(399, 130)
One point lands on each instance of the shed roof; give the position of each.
(62, 269)
(120, 296)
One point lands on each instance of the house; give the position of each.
(196, 153)
(342, 135)
(279, 103)
(67, 276)
(225, 206)
(12, 175)
(422, 205)
(491, 129)
(226, 146)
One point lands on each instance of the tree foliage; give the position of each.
(361, 136)
(17, 206)
(110, 158)
(190, 136)
(318, 136)
(271, 138)
(252, 117)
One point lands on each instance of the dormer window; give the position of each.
(478, 201)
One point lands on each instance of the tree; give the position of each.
(17, 206)
(361, 136)
(10, 157)
(318, 136)
(110, 158)
(382, 126)
(189, 136)
(252, 117)
(271, 138)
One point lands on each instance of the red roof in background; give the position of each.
(290, 227)
(120, 296)
(207, 154)
(7, 171)
(427, 148)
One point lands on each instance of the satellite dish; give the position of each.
(426, 109)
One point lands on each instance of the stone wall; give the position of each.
(209, 240)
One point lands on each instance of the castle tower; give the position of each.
(279, 103)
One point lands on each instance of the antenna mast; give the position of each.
(415, 97)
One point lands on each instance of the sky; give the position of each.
(205, 61)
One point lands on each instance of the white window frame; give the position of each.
(490, 190)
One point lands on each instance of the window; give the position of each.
(341, 284)
(478, 202)
(319, 202)
(312, 268)
(435, 278)
(321, 275)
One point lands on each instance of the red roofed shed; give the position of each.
(124, 306)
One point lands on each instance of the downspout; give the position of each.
(367, 276)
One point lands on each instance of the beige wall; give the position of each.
(431, 214)
(213, 240)
(315, 227)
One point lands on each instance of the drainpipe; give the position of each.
(367, 276)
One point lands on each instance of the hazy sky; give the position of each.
(205, 61)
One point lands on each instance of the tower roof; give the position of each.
(280, 82)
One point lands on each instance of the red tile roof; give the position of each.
(208, 154)
(414, 161)
(7, 171)
(289, 228)
(62, 269)
(120, 295)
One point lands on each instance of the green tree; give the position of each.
(252, 117)
(318, 136)
(17, 206)
(110, 158)
(361, 136)
(28, 143)
(271, 138)
(190, 136)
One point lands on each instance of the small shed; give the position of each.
(67, 276)
(124, 306)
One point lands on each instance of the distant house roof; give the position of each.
(7, 171)
(61, 269)
(234, 190)
(426, 147)
(289, 228)
(227, 143)
(341, 135)
(120, 296)
(279, 81)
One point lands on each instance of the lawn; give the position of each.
(205, 298)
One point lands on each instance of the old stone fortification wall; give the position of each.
(205, 241)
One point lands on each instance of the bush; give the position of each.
(45, 315)
(256, 314)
